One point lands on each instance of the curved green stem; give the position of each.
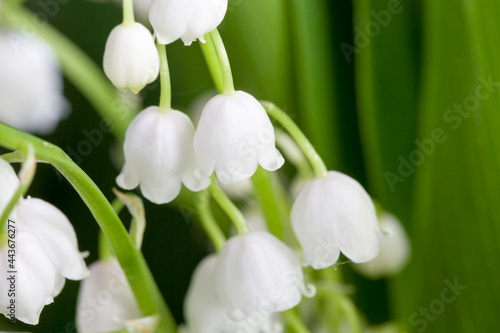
(25, 178)
(210, 54)
(289, 125)
(166, 94)
(295, 321)
(79, 69)
(132, 262)
(265, 193)
(229, 207)
(345, 305)
(225, 67)
(128, 12)
(209, 224)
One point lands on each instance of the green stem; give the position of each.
(344, 304)
(289, 125)
(210, 54)
(225, 67)
(26, 177)
(229, 207)
(209, 224)
(295, 321)
(265, 193)
(166, 93)
(104, 249)
(79, 69)
(131, 260)
(128, 12)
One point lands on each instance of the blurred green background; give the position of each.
(370, 82)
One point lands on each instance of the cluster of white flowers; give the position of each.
(241, 289)
(255, 276)
(46, 252)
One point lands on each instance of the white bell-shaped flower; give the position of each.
(159, 155)
(394, 250)
(185, 19)
(131, 59)
(31, 84)
(233, 137)
(55, 231)
(334, 214)
(9, 183)
(105, 299)
(257, 275)
(202, 308)
(34, 283)
(45, 248)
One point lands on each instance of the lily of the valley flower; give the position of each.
(185, 19)
(130, 58)
(105, 300)
(31, 84)
(256, 273)
(46, 252)
(203, 310)
(159, 155)
(233, 137)
(394, 250)
(334, 214)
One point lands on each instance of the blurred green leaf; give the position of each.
(456, 216)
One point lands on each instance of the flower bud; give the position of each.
(257, 275)
(334, 214)
(185, 19)
(394, 250)
(130, 58)
(233, 137)
(159, 155)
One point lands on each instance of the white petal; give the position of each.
(159, 155)
(334, 214)
(258, 273)
(31, 84)
(57, 234)
(170, 19)
(104, 297)
(9, 183)
(206, 16)
(130, 58)
(394, 250)
(203, 310)
(233, 136)
(35, 278)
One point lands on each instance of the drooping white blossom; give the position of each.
(105, 299)
(188, 20)
(131, 59)
(45, 252)
(31, 84)
(35, 287)
(203, 310)
(233, 137)
(159, 155)
(334, 214)
(257, 275)
(394, 250)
